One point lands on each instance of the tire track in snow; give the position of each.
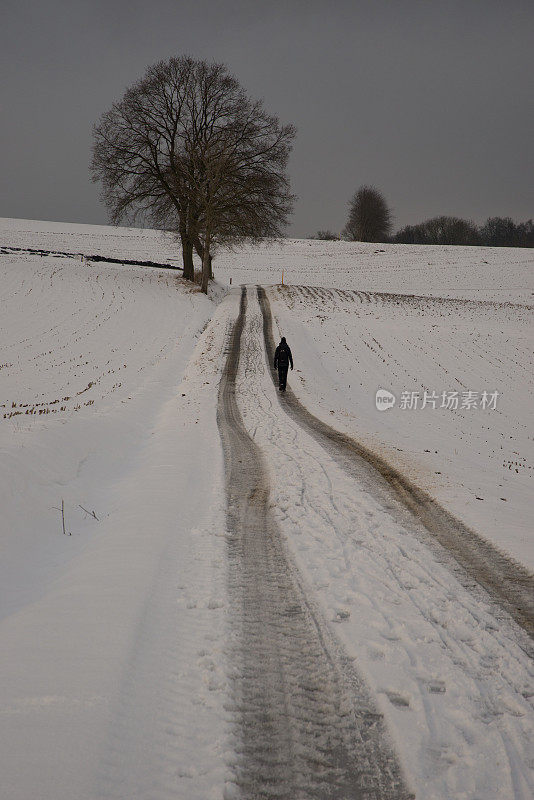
(508, 583)
(307, 725)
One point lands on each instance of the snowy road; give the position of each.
(449, 668)
(307, 723)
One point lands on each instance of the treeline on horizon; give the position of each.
(370, 220)
(495, 232)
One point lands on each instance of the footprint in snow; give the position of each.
(436, 687)
(376, 653)
(396, 698)
(391, 636)
(341, 615)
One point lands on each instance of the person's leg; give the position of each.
(283, 378)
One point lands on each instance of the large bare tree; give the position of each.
(136, 151)
(369, 216)
(188, 150)
(242, 190)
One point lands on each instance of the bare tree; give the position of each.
(496, 232)
(504, 232)
(369, 216)
(238, 155)
(186, 149)
(440, 230)
(137, 151)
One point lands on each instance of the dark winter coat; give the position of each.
(282, 356)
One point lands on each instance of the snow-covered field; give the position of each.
(100, 397)
(501, 274)
(128, 243)
(478, 460)
(113, 680)
(491, 273)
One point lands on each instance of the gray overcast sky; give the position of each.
(430, 100)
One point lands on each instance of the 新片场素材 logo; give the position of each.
(384, 399)
(450, 400)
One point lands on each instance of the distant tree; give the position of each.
(370, 218)
(242, 190)
(186, 149)
(496, 232)
(327, 236)
(527, 233)
(504, 232)
(410, 234)
(453, 230)
(440, 230)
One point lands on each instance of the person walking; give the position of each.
(282, 360)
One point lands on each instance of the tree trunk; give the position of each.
(199, 247)
(187, 255)
(206, 263)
